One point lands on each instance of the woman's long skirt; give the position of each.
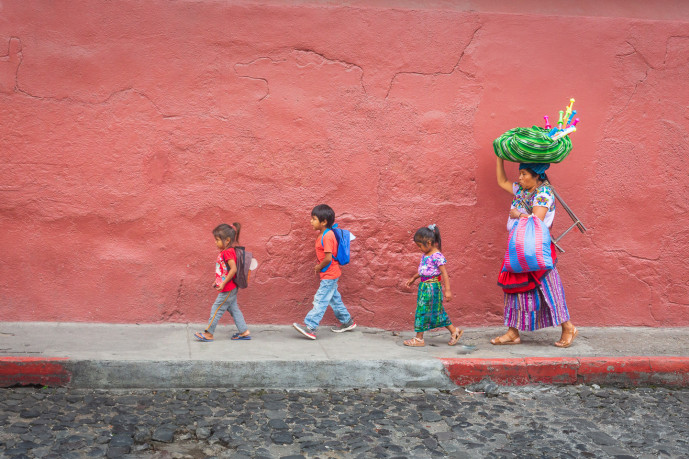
(430, 313)
(542, 307)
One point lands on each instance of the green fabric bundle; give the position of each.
(531, 145)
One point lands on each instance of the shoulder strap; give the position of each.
(227, 265)
(323, 235)
(326, 231)
(325, 268)
(526, 204)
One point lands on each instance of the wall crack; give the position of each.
(454, 68)
(264, 80)
(337, 61)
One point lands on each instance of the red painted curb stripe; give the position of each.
(552, 371)
(32, 359)
(45, 371)
(630, 371)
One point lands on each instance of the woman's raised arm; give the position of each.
(502, 177)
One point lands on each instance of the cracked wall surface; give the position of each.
(131, 129)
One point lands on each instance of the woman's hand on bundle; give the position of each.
(515, 213)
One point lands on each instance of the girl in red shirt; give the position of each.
(226, 236)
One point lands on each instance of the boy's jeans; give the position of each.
(327, 294)
(225, 301)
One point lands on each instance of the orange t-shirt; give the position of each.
(329, 245)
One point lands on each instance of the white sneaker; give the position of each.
(305, 330)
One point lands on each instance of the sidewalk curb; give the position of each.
(261, 374)
(618, 371)
(24, 371)
(344, 374)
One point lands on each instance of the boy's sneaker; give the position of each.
(344, 327)
(304, 330)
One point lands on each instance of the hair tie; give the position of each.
(431, 226)
(232, 226)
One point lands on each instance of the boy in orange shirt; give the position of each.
(322, 219)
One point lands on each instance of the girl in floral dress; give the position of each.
(434, 285)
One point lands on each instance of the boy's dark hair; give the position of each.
(324, 213)
(427, 235)
(225, 231)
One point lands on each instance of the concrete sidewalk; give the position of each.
(167, 356)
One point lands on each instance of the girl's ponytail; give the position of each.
(237, 228)
(436, 236)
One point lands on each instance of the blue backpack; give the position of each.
(343, 238)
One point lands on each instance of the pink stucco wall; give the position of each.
(129, 129)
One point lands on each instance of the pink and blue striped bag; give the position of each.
(528, 247)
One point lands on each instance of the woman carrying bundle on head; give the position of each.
(533, 299)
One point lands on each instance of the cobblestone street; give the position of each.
(574, 421)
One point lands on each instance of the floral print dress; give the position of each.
(430, 313)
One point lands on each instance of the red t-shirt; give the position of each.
(221, 270)
(329, 245)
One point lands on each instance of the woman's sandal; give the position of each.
(455, 337)
(571, 334)
(415, 342)
(505, 340)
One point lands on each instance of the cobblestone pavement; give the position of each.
(574, 421)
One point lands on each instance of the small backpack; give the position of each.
(241, 279)
(343, 238)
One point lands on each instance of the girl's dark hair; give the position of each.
(324, 213)
(427, 235)
(225, 231)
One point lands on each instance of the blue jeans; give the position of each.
(327, 294)
(225, 301)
